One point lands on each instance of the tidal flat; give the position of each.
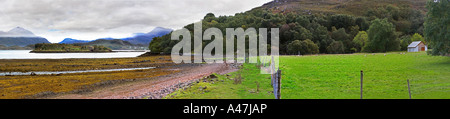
(38, 86)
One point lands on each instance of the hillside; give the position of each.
(322, 26)
(146, 38)
(21, 41)
(352, 7)
(115, 44)
(72, 41)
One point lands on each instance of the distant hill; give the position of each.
(72, 41)
(21, 41)
(20, 37)
(140, 39)
(352, 7)
(146, 38)
(116, 44)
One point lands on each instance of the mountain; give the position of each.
(21, 32)
(20, 37)
(17, 32)
(146, 38)
(138, 39)
(72, 41)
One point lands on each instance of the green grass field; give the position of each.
(337, 77)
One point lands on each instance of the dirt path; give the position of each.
(156, 87)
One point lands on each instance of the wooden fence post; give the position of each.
(409, 89)
(362, 84)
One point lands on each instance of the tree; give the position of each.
(324, 44)
(362, 23)
(209, 17)
(354, 30)
(382, 37)
(360, 40)
(303, 47)
(417, 37)
(341, 35)
(302, 33)
(294, 47)
(342, 21)
(437, 26)
(308, 47)
(318, 31)
(404, 42)
(337, 47)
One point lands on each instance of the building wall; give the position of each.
(414, 49)
(421, 45)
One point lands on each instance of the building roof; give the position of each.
(414, 44)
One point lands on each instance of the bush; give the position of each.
(337, 47)
(360, 40)
(404, 42)
(304, 47)
(417, 37)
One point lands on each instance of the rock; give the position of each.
(212, 76)
(33, 74)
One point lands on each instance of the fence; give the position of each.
(362, 77)
(268, 65)
(276, 84)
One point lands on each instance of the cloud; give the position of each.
(90, 19)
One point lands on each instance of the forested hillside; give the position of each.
(325, 26)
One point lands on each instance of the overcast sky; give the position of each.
(92, 19)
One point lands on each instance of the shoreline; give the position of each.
(73, 51)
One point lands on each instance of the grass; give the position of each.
(338, 77)
(226, 86)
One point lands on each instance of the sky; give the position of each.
(92, 19)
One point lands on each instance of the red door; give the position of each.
(423, 49)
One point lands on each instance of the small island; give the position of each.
(68, 48)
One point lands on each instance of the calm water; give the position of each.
(25, 54)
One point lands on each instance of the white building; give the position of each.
(417, 46)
